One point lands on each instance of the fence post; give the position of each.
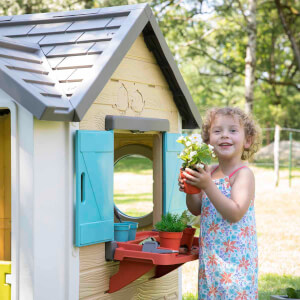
(290, 158)
(276, 154)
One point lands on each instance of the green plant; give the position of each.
(195, 152)
(292, 293)
(170, 223)
(189, 219)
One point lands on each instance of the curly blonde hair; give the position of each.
(252, 130)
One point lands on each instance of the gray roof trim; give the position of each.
(108, 62)
(48, 101)
(30, 99)
(23, 46)
(182, 97)
(136, 124)
(24, 19)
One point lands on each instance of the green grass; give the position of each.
(132, 198)
(268, 284)
(273, 284)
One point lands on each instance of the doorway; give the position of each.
(5, 203)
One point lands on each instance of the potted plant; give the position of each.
(195, 154)
(170, 229)
(188, 233)
(290, 294)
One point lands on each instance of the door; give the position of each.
(5, 203)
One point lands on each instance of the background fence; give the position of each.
(280, 149)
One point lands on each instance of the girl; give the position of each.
(228, 262)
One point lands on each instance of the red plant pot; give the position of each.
(189, 189)
(188, 237)
(170, 240)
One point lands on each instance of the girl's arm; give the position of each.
(242, 193)
(193, 203)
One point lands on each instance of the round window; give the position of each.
(133, 183)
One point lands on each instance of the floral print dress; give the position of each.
(228, 258)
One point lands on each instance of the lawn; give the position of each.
(278, 223)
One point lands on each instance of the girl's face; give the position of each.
(227, 136)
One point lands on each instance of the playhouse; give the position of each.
(80, 90)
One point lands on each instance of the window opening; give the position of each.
(133, 184)
(5, 185)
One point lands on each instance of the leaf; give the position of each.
(291, 293)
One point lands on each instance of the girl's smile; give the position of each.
(227, 136)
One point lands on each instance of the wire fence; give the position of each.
(289, 148)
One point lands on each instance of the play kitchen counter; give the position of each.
(136, 260)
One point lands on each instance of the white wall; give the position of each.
(45, 265)
(56, 261)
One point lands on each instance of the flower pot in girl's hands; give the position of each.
(189, 189)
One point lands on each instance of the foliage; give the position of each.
(170, 223)
(189, 219)
(208, 39)
(274, 284)
(292, 293)
(195, 152)
(134, 164)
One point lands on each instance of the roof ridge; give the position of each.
(73, 14)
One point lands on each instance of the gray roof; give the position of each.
(56, 64)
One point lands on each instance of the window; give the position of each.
(133, 183)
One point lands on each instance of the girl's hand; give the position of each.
(181, 184)
(201, 179)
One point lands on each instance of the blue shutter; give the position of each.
(94, 160)
(173, 199)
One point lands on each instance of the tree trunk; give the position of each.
(289, 33)
(250, 61)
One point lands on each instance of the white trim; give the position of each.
(56, 261)
(73, 252)
(179, 283)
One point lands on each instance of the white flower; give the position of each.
(182, 153)
(192, 154)
(200, 166)
(196, 139)
(210, 147)
(213, 155)
(188, 143)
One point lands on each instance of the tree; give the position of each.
(250, 60)
(18, 7)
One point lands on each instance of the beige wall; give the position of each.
(137, 88)
(5, 189)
